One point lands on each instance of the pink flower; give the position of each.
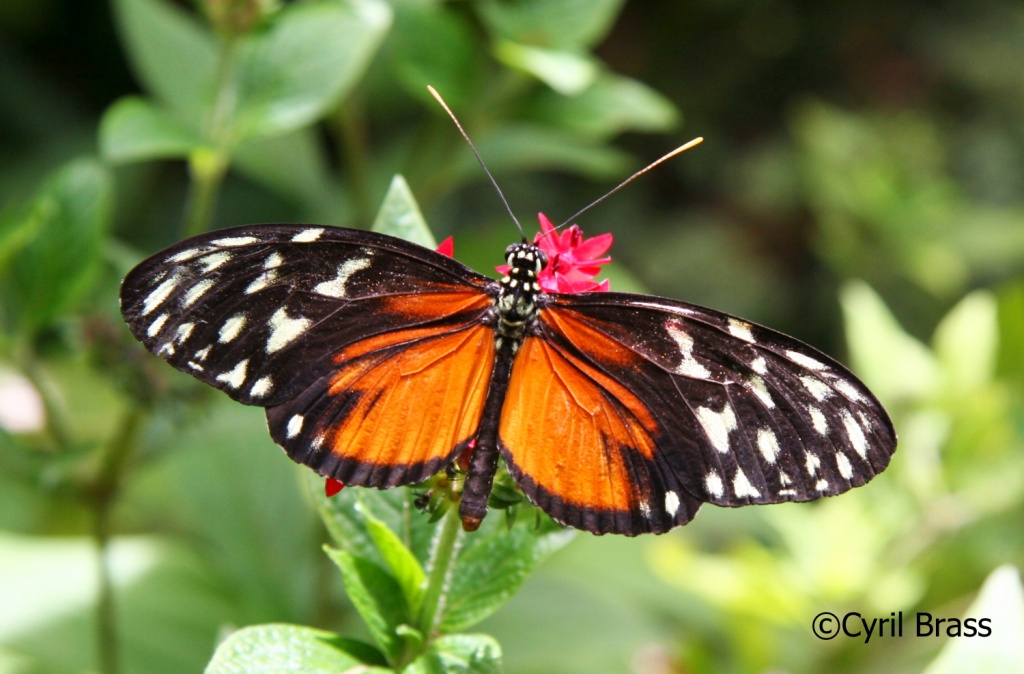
(573, 261)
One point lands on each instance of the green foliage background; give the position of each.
(861, 187)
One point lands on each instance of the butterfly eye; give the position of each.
(542, 260)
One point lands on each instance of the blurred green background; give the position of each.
(861, 186)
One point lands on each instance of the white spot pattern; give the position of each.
(812, 463)
(805, 360)
(184, 332)
(308, 235)
(211, 262)
(196, 291)
(156, 325)
(843, 464)
(235, 241)
(688, 365)
(848, 390)
(768, 444)
(336, 286)
(671, 503)
(261, 387)
(758, 388)
(713, 482)
(294, 426)
(235, 377)
(284, 330)
(741, 485)
(231, 328)
(159, 294)
(818, 420)
(741, 329)
(718, 425)
(817, 388)
(759, 365)
(856, 435)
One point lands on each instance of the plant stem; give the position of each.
(440, 564)
(208, 168)
(104, 492)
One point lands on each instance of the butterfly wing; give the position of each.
(664, 405)
(349, 338)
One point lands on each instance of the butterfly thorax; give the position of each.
(517, 299)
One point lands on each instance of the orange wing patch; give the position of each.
(581, 444)
(401, 404)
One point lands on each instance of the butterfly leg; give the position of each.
(484, 462)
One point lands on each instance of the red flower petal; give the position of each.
(447, 247)
(573, 261)
(332, 487)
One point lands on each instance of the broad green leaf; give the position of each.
(307, 59)
(430, 44)
(566, 72)
(405, 568)
(400, 215)
(469, 653)
(611, 105)
(135, 129)
(890, 361)
(53, 270)
(173, 55)
(1001, 604)
(551, 23)
(492, 566)
(378, 598)
(966, 342)
(284, 648)
(295, 166)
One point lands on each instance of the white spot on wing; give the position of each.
(317, 441)
(235, 241)
(156, 325)
(713, 482)
(784, 479)
(821, 485)
(159, 294)
(196, 291)
(843, 464)
(671, 503)
(211, 262)
(336, 286)
(759, 365)
(812, 462)
(231, 328)
(805, 360)
(283, 330)
(203, 353)
(758, 388)
(273, 260)
(741, 486)
(740, 329)
(819, 389)
(768, 444)
(848, 390)
(818, 420)
(261, 387)
(294, 426)
(787, 492)
(856, 435)
(186, 255)
(261, 282)
(688, 365)
(235, 377)
(645, 509)
(184, 332)
(717, 425)
(308, 236)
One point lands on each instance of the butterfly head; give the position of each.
(525, 259)
(519, 289)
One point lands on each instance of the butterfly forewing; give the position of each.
(739, 413)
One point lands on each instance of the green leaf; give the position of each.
(551, 23)
(611, 105)
(311, 55)
(966, 342)
(469, 653)
(135, 129)
(173, 55)
(400, 215)
(378, 598)
(566, 72)
(1001, 603)
(492, 566)
(430, 44)
(284, 648)
(891, 362)
(405, 569)
(59, 264)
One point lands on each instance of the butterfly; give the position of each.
(380, 362)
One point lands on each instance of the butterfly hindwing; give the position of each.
(705, 405)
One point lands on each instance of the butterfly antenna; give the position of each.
(437, 96)
(673, 153)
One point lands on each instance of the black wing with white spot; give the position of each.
(260, 311)
(739, 413)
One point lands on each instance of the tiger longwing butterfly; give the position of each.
(379, 362)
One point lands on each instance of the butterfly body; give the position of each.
(380, 362)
